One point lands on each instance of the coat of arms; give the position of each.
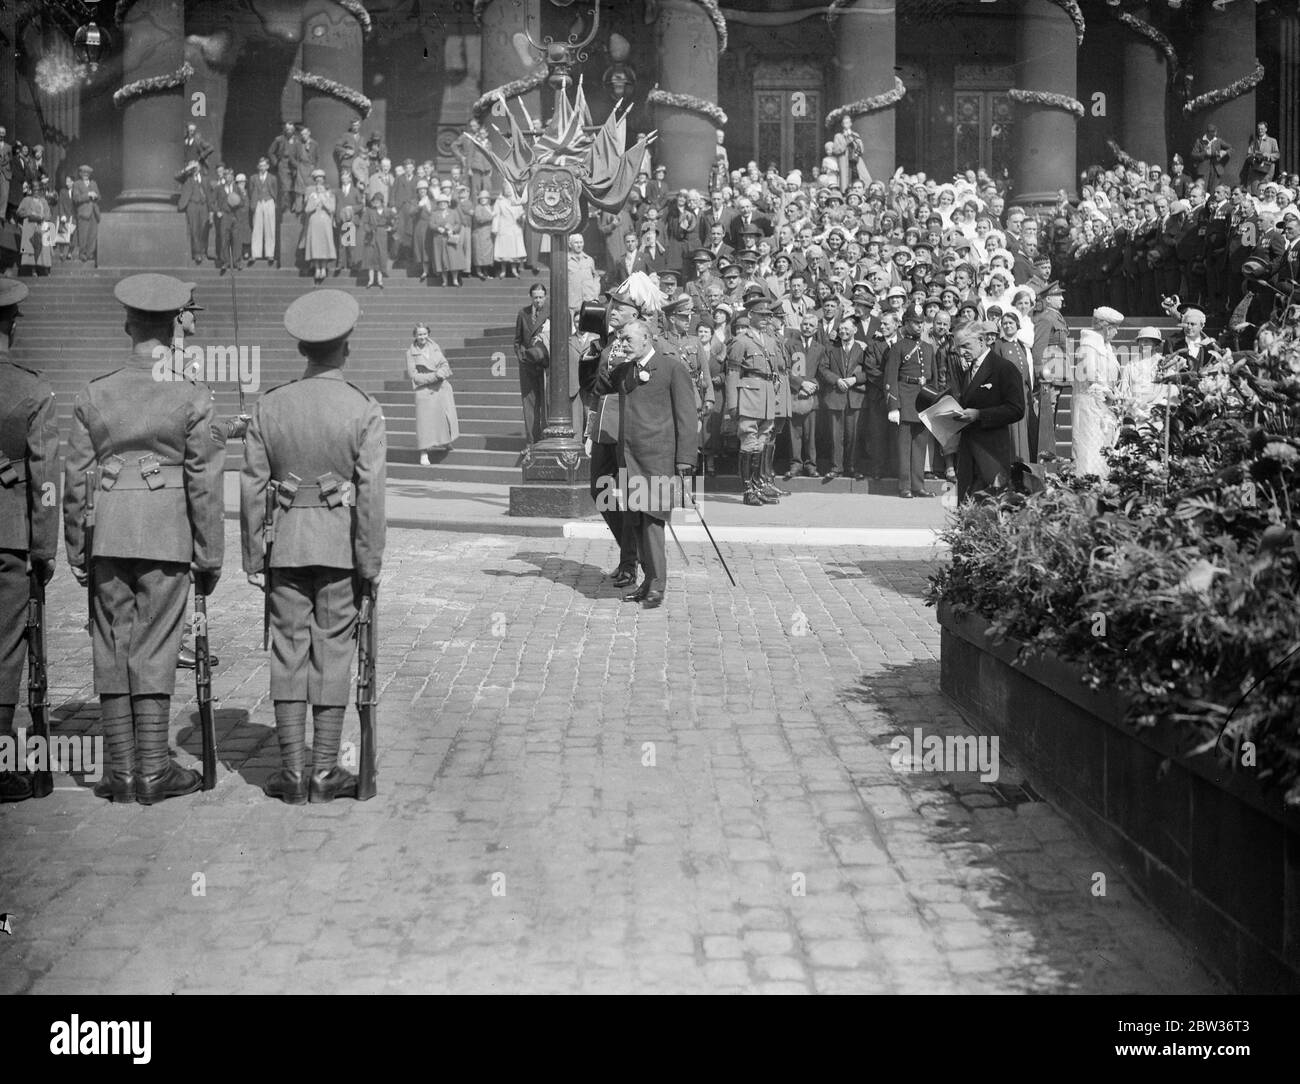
(553, 200)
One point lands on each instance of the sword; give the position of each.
(691, 493)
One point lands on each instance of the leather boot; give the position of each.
(117, 786)
(752, 496)
(118, 723)
(15, 787)
(769, 473)
(335, 783)
(288, 785)
(171, 782)
(767, 494)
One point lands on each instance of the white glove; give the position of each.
(895, 417)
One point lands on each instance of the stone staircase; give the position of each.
(72, 331)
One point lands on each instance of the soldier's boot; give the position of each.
(747, 476)
(769, 472)
(289, 784)
(158, 777)
(769, 493)
(328, 780)
(14, 786)
(118, 725)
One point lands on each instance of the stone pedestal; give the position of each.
(1142, 107)
(502, 20)
(144, 228)
(687, 44)
(1046, 60)
(864, 65)
(331, 48)
(1223, 53)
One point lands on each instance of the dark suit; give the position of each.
(1210, 158)
(1196, 357)
(532, 377)
(996, 390)
(194, 203)
(657, 430)
(842, 410)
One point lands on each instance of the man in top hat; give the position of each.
(319, 444)
(657, 447)
(29, 522)
(85, 197)
(143, 437)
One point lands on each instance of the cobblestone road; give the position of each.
(577, 795)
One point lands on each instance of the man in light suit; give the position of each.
(993, 401)
(1262, 154)
(319, 443)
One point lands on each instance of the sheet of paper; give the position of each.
(943, 419)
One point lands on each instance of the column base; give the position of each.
(143, 240)
(556, 482)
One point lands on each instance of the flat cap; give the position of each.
(322, 316)
(1107, 314)
(12, 292)
(154, 293)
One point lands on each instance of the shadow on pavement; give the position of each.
(240, 744)
(906, 577)
(588, 580)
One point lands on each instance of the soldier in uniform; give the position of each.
(29, 516)
(751, 402)
(146, 435)
(319, 443)
(768, 322)
(909, 363)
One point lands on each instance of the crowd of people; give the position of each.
(39, 224)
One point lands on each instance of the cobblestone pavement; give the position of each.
(577, 795)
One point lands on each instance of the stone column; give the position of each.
(1142, 116)
(687, 44)
(1288, 128)
(502, 20)
(331, 48)
(1224, 52)
(864, 65)
(144, 229)
(1046, 60)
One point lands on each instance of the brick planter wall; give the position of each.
(1215, 854)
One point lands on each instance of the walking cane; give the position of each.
(691, 493)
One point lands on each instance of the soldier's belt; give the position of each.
(762, 374)
(139, 472)
(10, 475)
(328, 491)
(909, 380)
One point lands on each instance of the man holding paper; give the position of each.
(993, 401)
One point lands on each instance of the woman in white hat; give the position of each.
(1139, 368)
(1094, 421)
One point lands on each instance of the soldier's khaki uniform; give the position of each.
(751, 392)
(29, 514)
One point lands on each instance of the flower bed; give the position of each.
(1170, 593)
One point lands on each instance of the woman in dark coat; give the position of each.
(447, 237)
(376, 222)
(1010, 347)
(481, 248)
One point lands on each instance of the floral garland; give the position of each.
(153, 85)
(1076, 16)
(1242, 86)
(715, 13)
(354, 98)
(874, 104)
(1044, 97)
(1151, 34)
(833, 10)
(509, 90)
(689, 102)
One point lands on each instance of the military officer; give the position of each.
(144, 434)
(319, 443)
(909, 363)
(29, 512)
(765, 316)
(751, 402)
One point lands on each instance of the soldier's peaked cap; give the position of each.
(154, 293)
(12, 293)
(322, 316)
(680, 306)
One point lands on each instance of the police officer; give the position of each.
(145, 432)
(319, 442)
(751, 403)
(29, 516)
(909, 363)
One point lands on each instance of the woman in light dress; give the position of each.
(318, 236)
(436, 426)
(507, 236)
(38, 234)
(1094, 390)
(1139, 369)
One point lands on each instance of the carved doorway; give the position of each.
(789, 101)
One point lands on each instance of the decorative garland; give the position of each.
(688, 102)
(1242, 86)
(715, 13)
(1153, 35)
(1044, 97)
(1076, 16)
(874, 104)
(509, 90)
(833, 10)
(153, 85)
(354, 98)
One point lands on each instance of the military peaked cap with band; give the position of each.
(12, 292)
(155, 293)
(322, 316)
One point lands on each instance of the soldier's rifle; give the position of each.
(38, 689)
(268, 540)
(91, 478)
(367, 690)
(203, 688)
